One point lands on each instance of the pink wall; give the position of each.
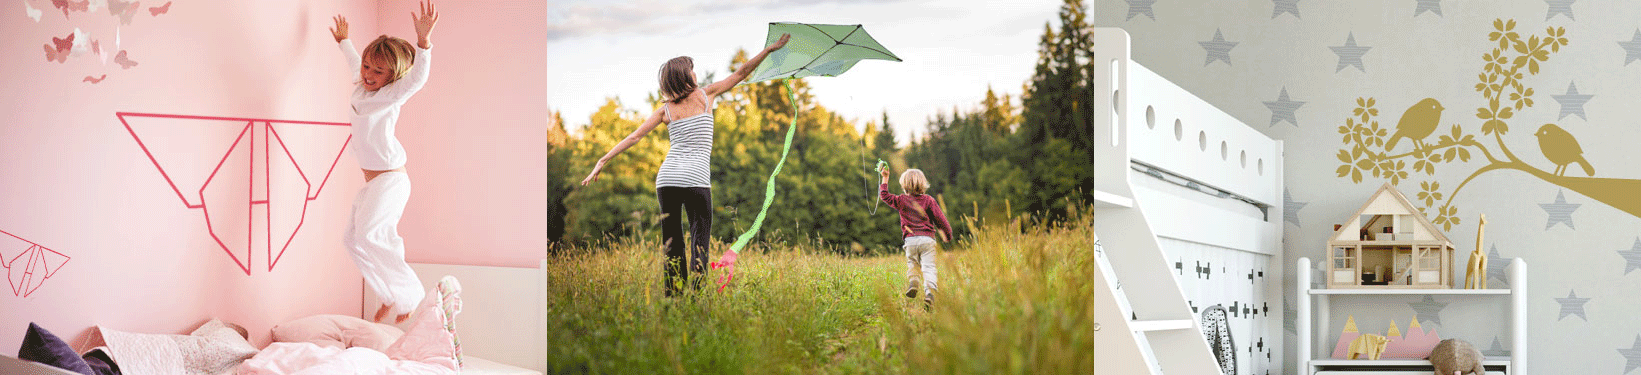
(477, 135)
(73, 179)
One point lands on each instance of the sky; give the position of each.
(952, 50)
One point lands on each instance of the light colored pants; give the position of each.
(373, 241)
(920, 253)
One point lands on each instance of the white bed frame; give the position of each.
(1150, 132)
(504, 312)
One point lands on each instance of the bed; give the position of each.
(1189, 216)
(502, 325)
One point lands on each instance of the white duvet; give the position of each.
(307, 358)
(428, 347)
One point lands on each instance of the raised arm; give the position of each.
(340, 32)
(746, 69)
(422, 63)
(643, 129)
(883, 191)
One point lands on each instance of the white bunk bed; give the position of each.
(1188, 218)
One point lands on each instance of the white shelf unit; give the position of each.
(1310, 348)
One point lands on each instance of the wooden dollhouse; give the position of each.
(1389, 244)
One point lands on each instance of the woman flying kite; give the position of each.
(683, 179)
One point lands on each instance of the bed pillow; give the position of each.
(337, 331)
(40, 345)
(101, 363)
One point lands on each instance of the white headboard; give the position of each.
(504, 311)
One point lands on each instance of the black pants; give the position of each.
(697, 203)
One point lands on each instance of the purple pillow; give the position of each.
(100, 362)
(40, 345)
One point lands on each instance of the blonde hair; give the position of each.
(912, 182)
(395, 53)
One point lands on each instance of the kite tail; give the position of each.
(769, 191)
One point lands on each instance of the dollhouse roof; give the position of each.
(1395, 196)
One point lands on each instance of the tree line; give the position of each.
(993, 161)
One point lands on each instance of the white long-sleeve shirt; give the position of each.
(375, 113)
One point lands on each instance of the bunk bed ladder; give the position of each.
(1143, 323)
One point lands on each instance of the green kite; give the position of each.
(813, 50)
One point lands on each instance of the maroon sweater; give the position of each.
(916, 212)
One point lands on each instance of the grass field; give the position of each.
(1014, 299)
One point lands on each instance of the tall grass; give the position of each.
(1014, 298)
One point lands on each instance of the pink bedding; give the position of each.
(430, 346)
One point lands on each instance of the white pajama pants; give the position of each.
(920, 253)
(373, 241)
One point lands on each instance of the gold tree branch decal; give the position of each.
(1369, 145)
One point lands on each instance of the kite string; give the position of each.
(769, 190)
(867, 181)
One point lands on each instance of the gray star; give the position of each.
(1290, 208)
(1434, 6)
(1350, 54)
(1218, 49)
(1136, 7)
(1632, 356)
(1559, 7)
(1428, 310)
(1632, 48)
(1496, 266)
(1282, 110)
(1497, 350)
(1572, 102)
(1572, 305)
(1560, 212)
(1632, 257)
(1285, 6)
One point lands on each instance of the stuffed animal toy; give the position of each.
(1455, 356)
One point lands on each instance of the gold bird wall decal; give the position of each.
(1417, 123)
(1559, 146)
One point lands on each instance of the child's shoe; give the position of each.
(911, 289)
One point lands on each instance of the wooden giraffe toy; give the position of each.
(1475, 276)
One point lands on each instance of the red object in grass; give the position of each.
(727, 262)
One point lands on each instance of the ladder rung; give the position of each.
(1109, 200)
(1159, 325)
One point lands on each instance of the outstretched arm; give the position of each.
(643, 129)
(746, 69)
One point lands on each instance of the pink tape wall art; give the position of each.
(252, 179)
(27, 264)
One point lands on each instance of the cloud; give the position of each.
(575, 19)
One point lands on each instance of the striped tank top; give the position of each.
(689, 161)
